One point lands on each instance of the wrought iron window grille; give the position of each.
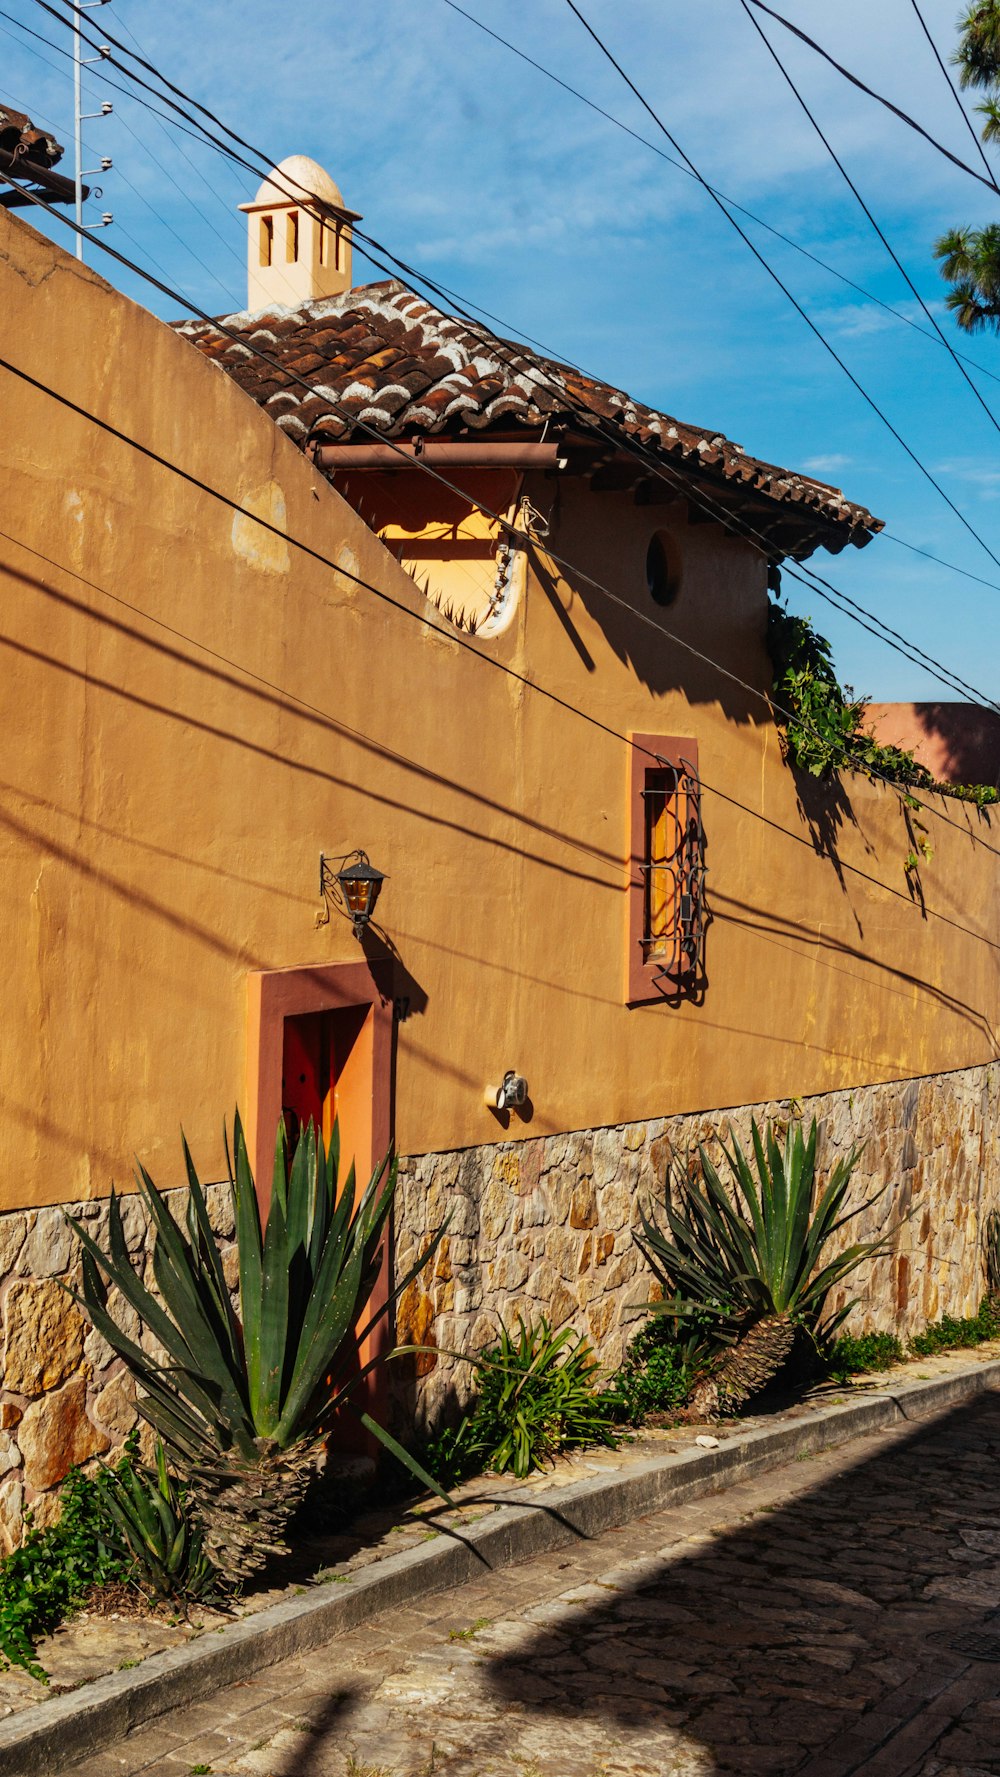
(674, 910)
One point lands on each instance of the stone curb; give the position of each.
(66, 1729)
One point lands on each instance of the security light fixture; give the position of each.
(355, 886)
(511, 1094)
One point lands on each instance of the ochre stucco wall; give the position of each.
(194, 709)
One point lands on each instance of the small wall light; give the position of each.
(511, 1094)
(355, 886)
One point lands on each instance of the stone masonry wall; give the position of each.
(536, 1227)
(545, 1226)
(65, 1397)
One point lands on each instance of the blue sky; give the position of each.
(478, 170)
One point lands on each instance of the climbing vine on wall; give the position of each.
(823, 721)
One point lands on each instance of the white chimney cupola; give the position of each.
(298, 237)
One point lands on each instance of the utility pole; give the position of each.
(80, 61)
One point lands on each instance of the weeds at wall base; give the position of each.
(870, 1353)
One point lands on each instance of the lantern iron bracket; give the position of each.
(334, 874)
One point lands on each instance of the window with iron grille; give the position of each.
(666, 893)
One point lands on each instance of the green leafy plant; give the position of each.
(243, 1401)
(159, 1538)
(822, 718)
(536, 1396)
(662, 1365)
(49, 1576)
(750, 1264)
(859, 1355)
(823, 721)
(970, 257)
(948, 1333)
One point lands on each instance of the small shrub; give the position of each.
(48, 1577)
(868, 1352)
(661, 1367)
(449, 1454)
(159, 1539)
(948, 1333)
(536, 1396)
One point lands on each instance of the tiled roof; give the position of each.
(384, 358)
(19, 136)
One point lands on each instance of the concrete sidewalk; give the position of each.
(829, 1618)
(531, 1521)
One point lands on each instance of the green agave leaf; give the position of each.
(204, 1242)
(301, 1202)
(346, 1254)
(416, 1469)
(251, 1252)
(332, 1318)
(143, 1367)
(200, 1333)
(266, 1387)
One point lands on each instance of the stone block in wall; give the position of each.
(43, 1336)
(48, 1249)
(11, 1514)
(65, 1397)
(114, 1406)
(13, 1233)
(927, 1176)
(56, 1434)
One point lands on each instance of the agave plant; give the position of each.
(751, 1261)
(157, 1534)
(991, 1255)
(244, 1401)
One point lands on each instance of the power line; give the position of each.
(966, 119)
(810, 323)
(201, 135)
(903, 116)
(918, 657)
(897, 262)
(135, 137)
(903, 792)
(947, 678)
(952, 567)
(44, 4)
(884, 633)
(498, 665)
(178, 146)
(741, 209)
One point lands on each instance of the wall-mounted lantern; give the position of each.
(355, 886)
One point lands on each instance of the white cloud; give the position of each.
(828, 465)
(975, 474)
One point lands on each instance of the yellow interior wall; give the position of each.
(194, 708)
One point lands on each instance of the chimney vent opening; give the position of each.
(311, 258)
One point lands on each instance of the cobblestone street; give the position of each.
(820, 1620)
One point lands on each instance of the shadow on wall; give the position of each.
(804, 1641)
(958, 742)
(674, 646)
(827, 810)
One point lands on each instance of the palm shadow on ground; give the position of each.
(803, 1639)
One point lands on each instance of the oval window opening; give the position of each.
(663, 569)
